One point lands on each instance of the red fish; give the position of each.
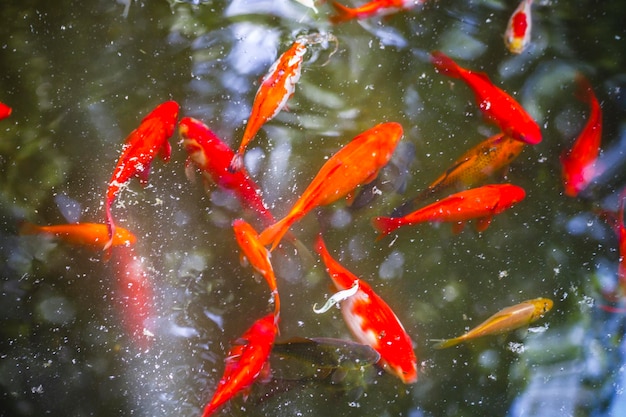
(212, 156)
(5, 111)
(135, 296)
(372, 321)
(517, 34)
(278, 85)
(140, 149)
(257, 255)
(496, 105)
(579, 162)
(480, 203)
(371, 9)
(90, 235)
(245, 361)
(356, 163)
(473, 167)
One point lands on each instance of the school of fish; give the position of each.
(463, 192)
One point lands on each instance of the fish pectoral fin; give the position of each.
(166, 151)
(483, 223)
(458, 227)
(265, 375)
(144, 175)
(190, 171)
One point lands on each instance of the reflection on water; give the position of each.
(81, 76)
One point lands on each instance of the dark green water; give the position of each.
(80, 76)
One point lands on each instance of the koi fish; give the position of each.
(135, 291)
(517, 34)
(140, 149)
(212, 157)
(5, 111)
(90, 235)
(257, 255)
(496, 105)
(504, 321)
(371, 9)
(278, 85)
(245, 361)
(356, 163)
(480, 203)
(579, 162)
(473, 167)
(372, 321)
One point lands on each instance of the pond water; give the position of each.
(81, 75)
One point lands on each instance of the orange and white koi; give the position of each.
(518, 30)
(278, 85)
(212, 156)
(90, 235)
(473, 167)
(140, 149)
(480, 203)
(356, 163)
(497, 106)
(245, 362)
(258, 256)
(504, 321)
(372, 9)
(5, 111)
(371, 320)
(135, 296)
(579, 163)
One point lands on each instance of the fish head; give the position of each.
(542, 306)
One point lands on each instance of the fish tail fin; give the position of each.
(236, 164)
(274, 233)
(385, 225)
(584, 92)
(27, 228)
(343, 13)
(445, 64)
(446, 343)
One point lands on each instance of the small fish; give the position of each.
(473, 167)
(140, 149)
(579, 162)
(372, 9)
(5, 111)
(90, 235)
(496, 105)
(480, 203)
(372, 321)
(356, 163)
(504, 321)
(278, 85)
(135, 295)
(518, 30)
(321, 355)
(616, 220)
(258, 256)
(336, 298)
(245, 362)
(212, 157)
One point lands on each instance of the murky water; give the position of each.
(80, 76)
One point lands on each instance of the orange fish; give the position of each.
(517, 34)
(257, 255)
(90, 235)
(472, 168)
(245, 361)
(616, 221)
(496, 105)
(579, 162)
(480, 203)
(135, 296)
(372, 321)
(140, 149)
(5, 111)
(278, 85)
(356, 163)
(212, 156)
(371, 9)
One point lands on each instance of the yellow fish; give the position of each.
(504, 321)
